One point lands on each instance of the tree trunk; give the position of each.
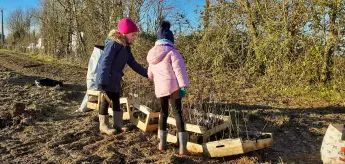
(330, 44)
(206, 18)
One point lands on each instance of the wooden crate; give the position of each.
(221, 148)
(225, 147)
(194, 147)
(144, 125)
(229, 147)
(96, 106)
(199, 129)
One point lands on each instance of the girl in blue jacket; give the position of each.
(117, 53)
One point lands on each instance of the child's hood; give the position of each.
(158, 52)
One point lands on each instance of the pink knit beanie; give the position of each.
(126, 26)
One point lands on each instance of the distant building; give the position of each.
(37, 45)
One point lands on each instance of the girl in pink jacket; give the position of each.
(168, 71)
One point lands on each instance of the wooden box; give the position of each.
(96, 104)
(194, 147)
(229, 147)
(144, 123)
(220, 148)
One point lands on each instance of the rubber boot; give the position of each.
(118, 121)
(103, 125)
(182, 136)
(162, 140)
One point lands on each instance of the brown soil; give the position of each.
(39, 125)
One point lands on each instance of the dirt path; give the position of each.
(38, 125)
(29, 67)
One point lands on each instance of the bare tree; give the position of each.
(20, 24)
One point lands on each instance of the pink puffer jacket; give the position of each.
(166, 68)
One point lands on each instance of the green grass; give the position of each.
(311, 93)
(44, 58)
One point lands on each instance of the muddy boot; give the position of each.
(162, 140)
(182, 137)
(118, 121)
(103, 125)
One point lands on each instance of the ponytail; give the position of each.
(116, 36)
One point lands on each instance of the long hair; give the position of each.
(118, 37)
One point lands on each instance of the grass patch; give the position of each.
(7, 51)
(29, 129)
(44, 58)
(311, 93)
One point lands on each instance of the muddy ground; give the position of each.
(39, 125)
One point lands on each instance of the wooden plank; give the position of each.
(223, 148)
(214, 130)
(145, 109)
(147, 120)
(136, 122)
(249, 146)
(123, 100)
(143, 125)
(128, 106)
(193, 147)
(154, 115)
(142, 108)
(92, 98)
(171, 138)
(126, 116)
(91, 105)
(189, 127)
(93, 93)
(151, 128)
(99, 101)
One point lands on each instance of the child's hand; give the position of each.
(183, 92)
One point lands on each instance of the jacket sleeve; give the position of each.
(105, 62)
(179, 68)
(135, 65)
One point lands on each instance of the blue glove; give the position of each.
(183, 92)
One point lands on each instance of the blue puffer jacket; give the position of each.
(111, 64)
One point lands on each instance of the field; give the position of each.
(39, 125)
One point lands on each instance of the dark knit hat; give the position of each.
(164, 32)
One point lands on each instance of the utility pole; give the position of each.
(2, 29)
